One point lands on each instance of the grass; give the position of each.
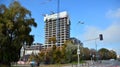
(55, 65)
(61, 65)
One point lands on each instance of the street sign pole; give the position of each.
(78, 53)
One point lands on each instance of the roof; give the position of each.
(54, 16)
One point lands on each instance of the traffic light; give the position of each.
(101, 36)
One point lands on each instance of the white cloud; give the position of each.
(118, 51)
(91, 32)
(111, 34)
(113, 14)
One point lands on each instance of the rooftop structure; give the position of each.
(28, 50)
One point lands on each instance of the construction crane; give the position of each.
(57, 19)
(57, 23)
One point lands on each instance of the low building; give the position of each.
(26, 51)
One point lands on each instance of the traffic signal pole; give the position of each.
(100, 38)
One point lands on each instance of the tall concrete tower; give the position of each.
(57, 26)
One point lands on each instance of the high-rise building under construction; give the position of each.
(57, 27)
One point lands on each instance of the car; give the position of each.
(112, 59)
(33, 63)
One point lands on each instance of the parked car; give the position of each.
(112, 59)
(33, 63)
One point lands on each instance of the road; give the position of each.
(105, 63)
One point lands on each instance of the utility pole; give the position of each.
(96, 49)
(78, 50)
(100, 38)
(78, 53)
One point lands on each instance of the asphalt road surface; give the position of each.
(106, 63)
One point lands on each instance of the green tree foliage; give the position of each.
(68, 53)
(41, 56)
(104, 53)
(55, 55)
(86, 54)
(107, 54)
(71, 51)
(32, 57)
(15, 28)
(65, 54)
(52, 40)
(113, 54)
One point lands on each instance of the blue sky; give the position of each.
(99, 17)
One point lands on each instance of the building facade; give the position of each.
(57, 28)
(28, 50)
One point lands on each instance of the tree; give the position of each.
(113, 54)
(52, 40)
(92, 53)
(65, 54)
(41, 56)
(15, 28)
(71, 51)
(103, 53)
(86, 52)
(107, 54)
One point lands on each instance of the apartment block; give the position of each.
(57, 28)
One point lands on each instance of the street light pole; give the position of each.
(78, 53)
(96, 50)
(78, 50)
